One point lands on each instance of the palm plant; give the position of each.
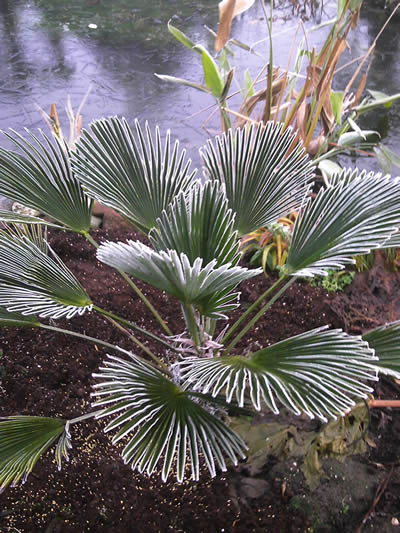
(172, 411)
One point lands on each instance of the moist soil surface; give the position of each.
(50, 374)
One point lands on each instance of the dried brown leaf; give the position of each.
(302, 115)
(314, 77)
(315, 144)
(360, 90)
(249, 104)
(228, 10)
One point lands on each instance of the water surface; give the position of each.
(53, 48)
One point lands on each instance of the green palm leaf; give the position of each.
(393, 241)
(265, 173)
(8, 319)
(385, 340)
(40, 177)
(316, 373)
(352, 217)
(33, 282)
(161, 421)
(120, 171)
(10, 217)
(199, 224)
(208, 288)
(23, 439)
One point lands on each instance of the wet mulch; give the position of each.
(47, 373)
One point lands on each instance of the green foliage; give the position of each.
(300, 372)
(199, 224)
(334, 281)
(340, 220)
(172, 411)
(23, 439)
(135, 178)
(163, 422)
(208, 288)
(33, 280)
(385, 340)
(40, 176)
(264, 177)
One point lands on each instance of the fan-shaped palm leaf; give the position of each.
(23, 439)
(161, 421)
(32, 282)
(199, 224)
(350, 218)
(208, 288)
(265, 173)
(120, 171)
(385, 340)
(316, 373)
(41, 178)
(8, 319)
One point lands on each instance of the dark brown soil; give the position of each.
(44, 373)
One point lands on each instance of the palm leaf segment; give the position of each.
(8, 319)
(208, 288)
(23, 439)
(265, 172)
(161, 421)
(199, 224)
(32, 282)
(316, 373)
(41, 178)
(385, 340)
(120, 171)
(352, 217)
(9, 217)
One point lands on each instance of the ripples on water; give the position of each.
(50, 49)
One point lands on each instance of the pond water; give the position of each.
(52, 48)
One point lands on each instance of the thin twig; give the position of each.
(378, 495)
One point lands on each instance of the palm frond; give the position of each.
(8, 319)
(9, 217)
(350, 218)
(317, 373)
(160, 420)
(36, 233)
(208, 288)
(385, 340)
(40, 177)
(199, 224)
(265, 173)
(23, 440)
(120, 171)
(34, 282)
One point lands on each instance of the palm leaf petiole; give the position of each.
(133, 286)
(133, 326)
(158, 361)
(259, 315)
(253, 307)
(86, 416)
(190, 320)
(87, 338)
